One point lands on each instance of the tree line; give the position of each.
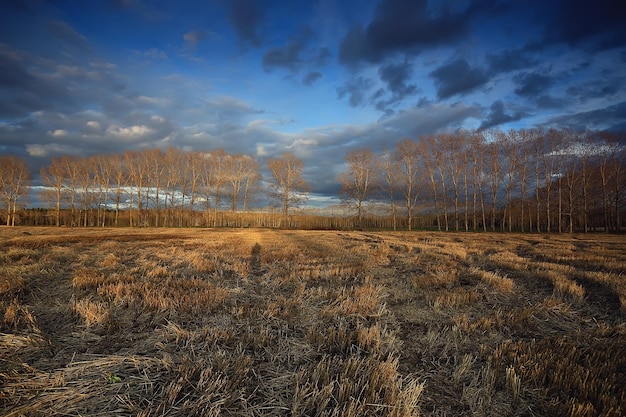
(528, 180)
(171, 188)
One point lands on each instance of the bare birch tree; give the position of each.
(451, 148)
(408, 159)
(388, 166)
(217, 160)
(287, 186)
(119, 178)
(137, 176)
(429, 163)
(14, 184)
(252, 179)
(509, 145)
(53, 177)
(360, 180)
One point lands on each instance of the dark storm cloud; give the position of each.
(294, 57)
(611, 118)
(593, 89)
(457, 77)
(20, 108)
(296, 54)
(311, 78)
(406, 26)
(533, 84)
(246, 16)
(24, 90)
(497, 116)
(546, 101)
(397, 78)
(601, 24)
(356, 89)
(287, 57)
(509, 60)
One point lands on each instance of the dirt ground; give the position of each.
(180, 322)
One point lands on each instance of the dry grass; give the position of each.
(92, 313)
(17, 317)
(260, 322)
(494, 279)
(583, 377)
(456, 297)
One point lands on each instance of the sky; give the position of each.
(315, 78)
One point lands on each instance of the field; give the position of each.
(201, 322)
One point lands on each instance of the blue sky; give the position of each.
(316, 78)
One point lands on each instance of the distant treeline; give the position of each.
(529, 180)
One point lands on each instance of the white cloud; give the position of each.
(153, 101)
(58, 133)
(38, 150)
(260, 150)
(93, 124)
(305, 142)
(132, 132)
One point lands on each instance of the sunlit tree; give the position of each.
(137, 177)
(53, 177)
(240, 172)
(409, 173)
(287, 187)
(252, 180)
(14, 184)
(452, 148)
(509, 145)
(217, 165)
(426, 155)
(360, 179)
(389, 168)
(119, 174)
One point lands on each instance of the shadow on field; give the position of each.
(255, 260)
(600, 295)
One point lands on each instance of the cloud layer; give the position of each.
(314, 78)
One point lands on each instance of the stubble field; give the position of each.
(171, 322)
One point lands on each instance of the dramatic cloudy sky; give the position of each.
(316, 78)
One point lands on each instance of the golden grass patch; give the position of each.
(17, 317)
(92, 313)
(494, 279)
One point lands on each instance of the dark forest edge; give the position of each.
(42, 217)
(532, 180)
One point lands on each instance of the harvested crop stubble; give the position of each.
(205, 322)
(584, 377)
